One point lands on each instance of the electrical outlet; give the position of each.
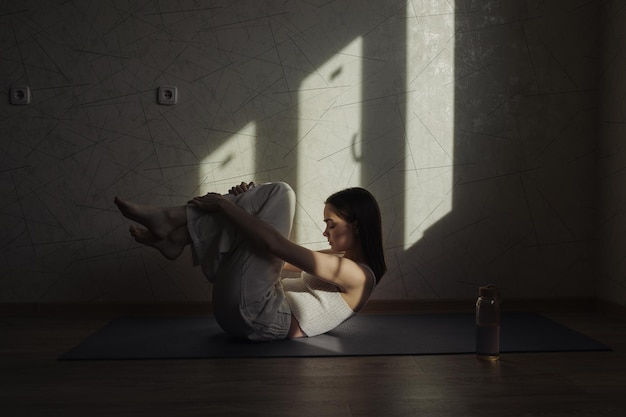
(168, 95)
(20, 95)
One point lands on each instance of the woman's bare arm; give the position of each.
(344, 273)
(293, 268)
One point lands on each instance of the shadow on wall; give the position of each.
(325, 110)
(477, 136)
(524, 171)
(471, 122)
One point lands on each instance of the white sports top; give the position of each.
(317, 305)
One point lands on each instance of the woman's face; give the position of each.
(340, 234)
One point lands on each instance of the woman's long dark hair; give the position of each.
(358, 206)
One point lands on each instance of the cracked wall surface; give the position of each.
(473, 122)
(612, 157)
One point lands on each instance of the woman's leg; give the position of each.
(171, 247)
(248, 300)
(213, 235)
(247, 296)
(160, 221)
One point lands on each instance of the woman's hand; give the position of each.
(213, 201)
(241, 188)
(209, 202)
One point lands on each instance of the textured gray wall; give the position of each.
(474, 124)
(612, 175)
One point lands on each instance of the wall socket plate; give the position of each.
(167, 95)
(20, 95)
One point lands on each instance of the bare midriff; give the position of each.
(295, 332)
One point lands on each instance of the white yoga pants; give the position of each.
(248, 299)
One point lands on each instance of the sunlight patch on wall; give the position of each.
(230, 163)
(329, 138)
(430, 115)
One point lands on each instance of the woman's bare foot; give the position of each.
(159, 221)
(168, 248)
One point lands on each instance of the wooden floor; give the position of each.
(33, 383)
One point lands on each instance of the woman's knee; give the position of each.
(270, 193)
(279, 188)
(284, 189)
(281, 205)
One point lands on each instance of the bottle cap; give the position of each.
(488, 291)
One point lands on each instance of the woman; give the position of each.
(240, 240)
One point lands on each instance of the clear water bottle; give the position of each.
(488, 323)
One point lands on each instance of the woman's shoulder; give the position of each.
(368, 269)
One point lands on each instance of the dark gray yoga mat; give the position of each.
(363, 335)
